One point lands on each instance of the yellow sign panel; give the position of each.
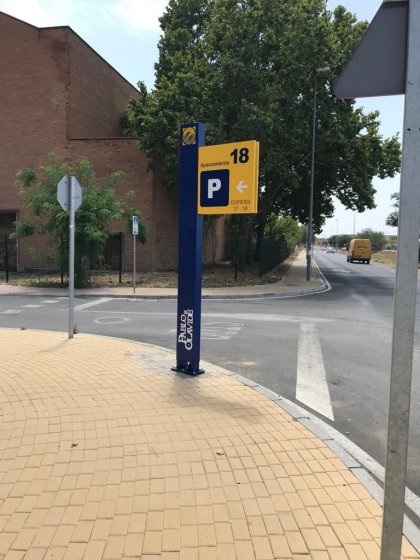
(228, 178)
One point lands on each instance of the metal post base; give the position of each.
(188, 369)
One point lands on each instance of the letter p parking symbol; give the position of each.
(214, 188)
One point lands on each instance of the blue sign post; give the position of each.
(189, 253)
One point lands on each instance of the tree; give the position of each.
(284, 229)
(101, 209)
(392, 218)
(377, 238)
(247, 69)
(340, 240)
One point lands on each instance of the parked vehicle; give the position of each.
(360, 250)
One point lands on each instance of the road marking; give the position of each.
(341, 270)
(217, 331)
(311, 380)
(92, 303)
(31, 306)
(111, 320)
(50, 301)
(267, 317)
(12, 312)
(264, 317)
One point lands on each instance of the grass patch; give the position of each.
(214, 276)
(385, 257)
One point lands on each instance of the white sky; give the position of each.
(126, 32)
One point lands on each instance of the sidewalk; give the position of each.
(108, 454)
(293, 283)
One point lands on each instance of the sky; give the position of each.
(126, 33)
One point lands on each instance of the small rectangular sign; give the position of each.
(228, 178)
(135, 225)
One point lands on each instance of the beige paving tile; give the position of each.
(75, 551)
(114, 547)
(152, 543)
(44, 536)
(262, 548)
(35, 554)
(280, 546)
(133, 545)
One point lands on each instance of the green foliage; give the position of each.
(284, 229)
(100, 211)
(392, 218)
(340, 240)
(377, 238)
(247, 70)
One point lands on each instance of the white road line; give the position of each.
(31, 306)
(264, 317)
(267, 317)
(92, 303)
(50, 301)
(11, 312)
(217, 331)
(311, 381)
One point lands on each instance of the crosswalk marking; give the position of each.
(92, 303)
(218, 331)
(31, 306)
(311, 381)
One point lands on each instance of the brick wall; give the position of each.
(32, 103)
(97, 93)
(58, 95)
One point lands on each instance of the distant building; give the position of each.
(58, 95)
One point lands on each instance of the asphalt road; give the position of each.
(341, 338)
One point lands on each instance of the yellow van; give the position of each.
(360, 250)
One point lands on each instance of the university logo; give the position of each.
(188, 136)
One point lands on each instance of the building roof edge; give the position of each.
(67, 27)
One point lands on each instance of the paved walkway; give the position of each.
(106, 454)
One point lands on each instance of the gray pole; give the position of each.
(405, 301)
(71, 258)
(134, 264)
(311, 194)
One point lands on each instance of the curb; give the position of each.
(324, 287)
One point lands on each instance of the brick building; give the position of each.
(58, 95)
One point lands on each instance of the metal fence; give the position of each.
(272, 252)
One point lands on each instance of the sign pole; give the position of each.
(134, 263)
(6, 255)
(189, 254)
(405, 301)
(71, 258)
(69, 196)
(135, 228)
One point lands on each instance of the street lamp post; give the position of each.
(318, 72)
(336, 239)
